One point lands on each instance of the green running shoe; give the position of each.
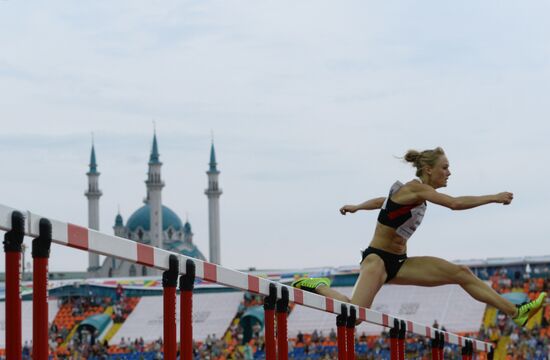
(310, 284)
(528, 310)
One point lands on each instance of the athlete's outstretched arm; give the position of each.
(427, 193)
(371, 204)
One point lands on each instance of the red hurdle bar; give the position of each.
(13, 241)
(282, 335)
(350, 334)
(341, 321)
(67, 234)
(169, 283)
(40, 254)
(187, 283)
(269, 323)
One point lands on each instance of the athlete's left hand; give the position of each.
(348, 209)
(505, 198)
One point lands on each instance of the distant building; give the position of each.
(213, 193)
(153, 223)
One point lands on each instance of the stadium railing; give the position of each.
(17, 224)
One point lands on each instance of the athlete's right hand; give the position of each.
(348, 209)
(505, 198)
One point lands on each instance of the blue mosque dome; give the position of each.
(185, 248)
(142, 218)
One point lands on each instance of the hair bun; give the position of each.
(412, 156)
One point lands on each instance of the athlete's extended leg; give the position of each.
(371, 278)
(331, 293)
(432, 271)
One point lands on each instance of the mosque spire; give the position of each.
(213, 164)
(93, 163)
(154, 158)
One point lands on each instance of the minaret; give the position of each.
(119, 225)
(120, 231)
(213, 193)
(154, 190)
(187, 233)
(93, 194)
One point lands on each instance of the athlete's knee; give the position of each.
(463, 274)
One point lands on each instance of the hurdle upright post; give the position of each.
(13, 241)
(169, 283)
(341, 322)
(435, 346)
(394, 334)
(269, 323)
(187, 283)
(441, 344)
(470, 351)
(401, 340)
(282, 332)
(40, 254)
(491, 354)
(350, 334)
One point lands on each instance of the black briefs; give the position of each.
(392, 262)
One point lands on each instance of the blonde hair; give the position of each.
(419, 159)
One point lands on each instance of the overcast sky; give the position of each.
(311, 103)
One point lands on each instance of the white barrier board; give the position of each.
(212, 314)
(26, 320)
(450, 305)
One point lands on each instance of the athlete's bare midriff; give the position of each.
(385, 237)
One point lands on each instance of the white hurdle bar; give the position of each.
(79, 237)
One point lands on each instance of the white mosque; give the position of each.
(144, 225)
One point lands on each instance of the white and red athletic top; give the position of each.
(405, 219)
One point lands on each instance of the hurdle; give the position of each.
(18, 224)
